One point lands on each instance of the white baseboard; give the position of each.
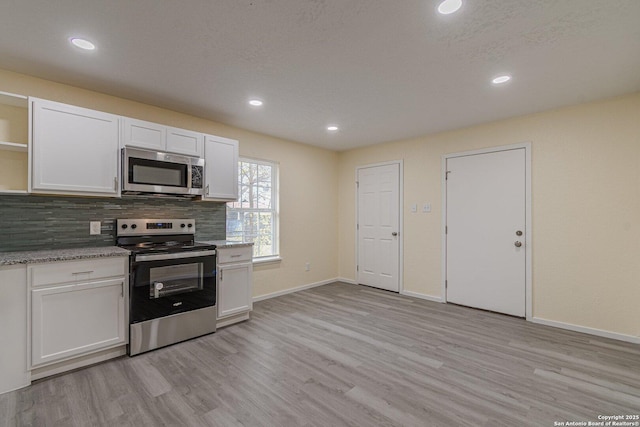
(586, 330)
(421, 296)
(345, 280)
(292, 290)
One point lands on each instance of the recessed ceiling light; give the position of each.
(256, 102)
(332, 128)
(82, 43)
(449, 6)
(501, 79)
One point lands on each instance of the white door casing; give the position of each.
(378, 226)
(487, 264)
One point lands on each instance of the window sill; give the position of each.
(267, 260)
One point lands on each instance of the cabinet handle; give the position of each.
(221, 274)
(83, 272)
(122, 289)
(236, 256)
(115, 183)
(207, 191)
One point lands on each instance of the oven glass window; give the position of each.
(144, 171)
(175, 279)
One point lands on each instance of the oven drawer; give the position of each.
(74, 271)
(239, 254)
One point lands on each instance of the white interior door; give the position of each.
(379, 226)
(485, 219)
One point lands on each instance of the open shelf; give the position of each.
(14, 135)
(13, 146)
(14, 100)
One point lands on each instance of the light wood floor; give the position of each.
(349, 355)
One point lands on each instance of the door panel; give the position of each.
(221, 168)
(378, 219)
(75, 150)
(74, 319)
(486, 205)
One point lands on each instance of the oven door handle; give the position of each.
(175, 255)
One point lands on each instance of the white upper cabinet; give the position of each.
(184, 142)
(144, 135)
(221, 169)
(74, 150)
(153, 136)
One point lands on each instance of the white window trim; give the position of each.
(275, 182)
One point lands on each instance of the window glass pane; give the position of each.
(253, 217)
(264, 197)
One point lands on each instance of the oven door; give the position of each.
(171, 283)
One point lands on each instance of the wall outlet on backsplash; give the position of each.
(94, 227)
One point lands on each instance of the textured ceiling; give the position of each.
(381, 70)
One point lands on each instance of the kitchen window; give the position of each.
(254, 217)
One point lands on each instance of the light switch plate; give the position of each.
(414, 208)
(426, 208)
(94, 227)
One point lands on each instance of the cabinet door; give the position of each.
(75, 150)
(141, 134)
(183, 141)
(75, 319)
(234, 289)
(221, 168)
(13, 332)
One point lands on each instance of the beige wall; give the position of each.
(586, 208)
(308, 181)
(586, 201)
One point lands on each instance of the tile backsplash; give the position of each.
(45, 222)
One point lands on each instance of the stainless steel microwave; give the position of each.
(145, 171)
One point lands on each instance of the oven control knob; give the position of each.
(182, 226)
(159, 286)
(134, 226)
(190, 225)
(124, 226)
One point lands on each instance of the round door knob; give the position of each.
(395, 233)
(518, 233)
(518, 244)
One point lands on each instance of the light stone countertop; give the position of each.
(50, 255)
(222, 244)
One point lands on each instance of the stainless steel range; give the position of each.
(172, 280)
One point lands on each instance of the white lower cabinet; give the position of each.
(72, 320)
(14, 373)
(81, 315)
(235, 271)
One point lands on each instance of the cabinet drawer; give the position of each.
(232, 254)
(74, 271)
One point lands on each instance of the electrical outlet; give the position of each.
(94, 227)
(307, 266)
